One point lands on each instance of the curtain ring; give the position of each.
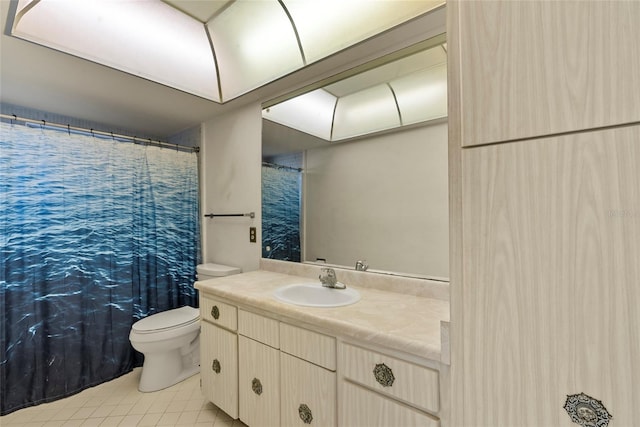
(92, 133)
(69, 129)
(14, 118)
(112, 137)
(44, 123)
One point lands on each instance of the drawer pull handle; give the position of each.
(256, 386)
(587, 411)
(215, 312)
(305, 413)
(215, 366)
(384, 375)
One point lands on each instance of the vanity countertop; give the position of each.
(406, 323)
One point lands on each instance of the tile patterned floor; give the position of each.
(119, 403)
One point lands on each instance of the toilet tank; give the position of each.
(212, 270)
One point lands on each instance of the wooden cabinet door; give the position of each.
(551, 250)
(308, 393)
(531, 68)
(411, 383)
(219, 367)
(360, 407)
(259, 383)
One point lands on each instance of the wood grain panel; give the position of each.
(311, 346)
(551, 267)
(364, 408)
(227, 314)
(220, 388)
(259, 328)
(414, 384)
(305, 383)
(531, 68)
(261, 362)
(452, 377)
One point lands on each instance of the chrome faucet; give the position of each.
(329, 279)
(361, 265)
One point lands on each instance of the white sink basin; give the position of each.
(316, 295)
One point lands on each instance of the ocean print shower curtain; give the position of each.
(95, 233)
(281, 209)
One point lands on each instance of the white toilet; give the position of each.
(170, 341)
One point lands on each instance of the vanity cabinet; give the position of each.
(363, 407)
(259, 383)
(381, 390)
(272, 373)
(308, 365)
(308, 393)
(259, 370)
(219, 313)
(314, 347)
(219, 367)
(279, 384)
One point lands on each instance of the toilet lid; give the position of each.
(167, 320)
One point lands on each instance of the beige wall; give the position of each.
(230, 183)
(383, 199)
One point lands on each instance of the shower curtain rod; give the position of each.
(70, 128)
(277, 166)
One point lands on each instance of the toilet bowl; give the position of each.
(170, 341)
(171, 348)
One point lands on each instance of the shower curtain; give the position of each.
(281, 207)
(95, 233)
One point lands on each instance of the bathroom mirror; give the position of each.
(355, 169)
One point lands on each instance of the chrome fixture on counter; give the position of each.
(329, 279)
(361, 265)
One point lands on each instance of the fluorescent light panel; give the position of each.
(145, 38)
(254, 41)
(422, 96)
(310, 113)
(368, 111)
(328, 26)
(408, 91)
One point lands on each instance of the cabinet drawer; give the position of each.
(219, 367)
(311, 346)
(412, 383)
(219, 313)
(361, 407)
(259, 383)
(308, 392)
(259, 328)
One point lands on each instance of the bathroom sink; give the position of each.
(316, 295)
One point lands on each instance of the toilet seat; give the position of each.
(167, 320)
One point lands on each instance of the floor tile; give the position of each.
(119, 403)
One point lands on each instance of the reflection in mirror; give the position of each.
(357, 170)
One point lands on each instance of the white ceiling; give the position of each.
(37, 77)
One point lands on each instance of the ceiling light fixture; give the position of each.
(255, 42)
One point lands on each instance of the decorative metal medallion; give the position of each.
(587, 411)
(256, 386)
(384, 375)
(215, 312)
(305, 413)
(216, 366)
